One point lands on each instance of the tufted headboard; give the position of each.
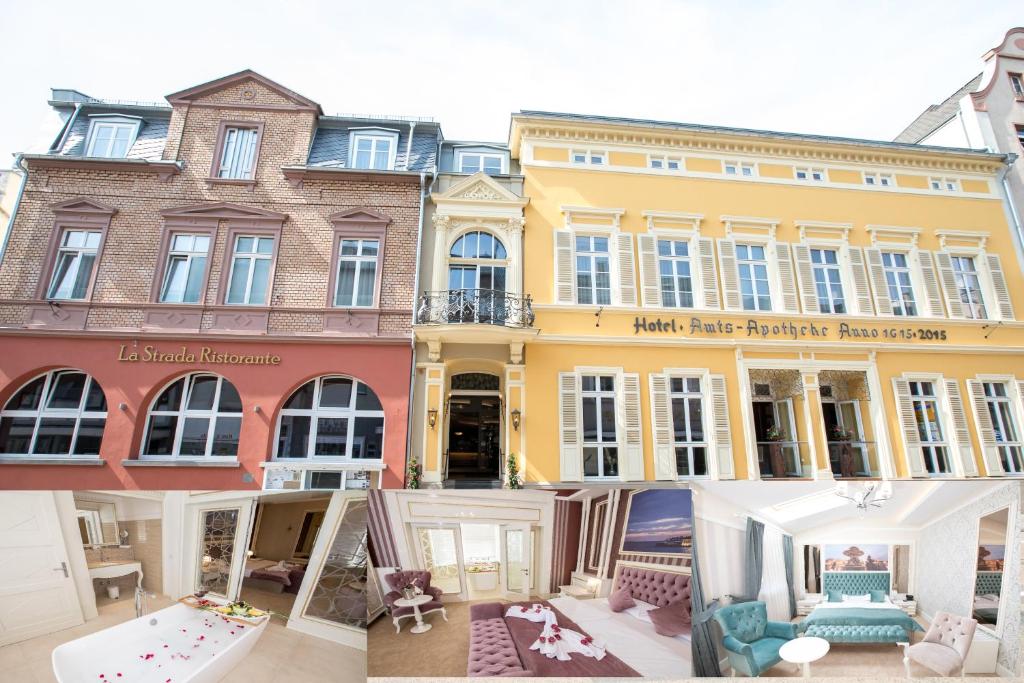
(855, 583)
(656, 585)
(988, 583)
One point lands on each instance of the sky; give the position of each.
(862, 69)
(657, 514)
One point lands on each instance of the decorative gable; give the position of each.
(479, 188)
(84, 207)
(207, 214)
(244, 90)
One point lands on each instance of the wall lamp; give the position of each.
(432, 417)
(517, 418)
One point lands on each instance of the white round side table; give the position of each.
(415, 603)
(803, 651)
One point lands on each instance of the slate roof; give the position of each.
(330, 148)
(936, 115)
(152, 136)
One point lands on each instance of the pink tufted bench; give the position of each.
(492, 651)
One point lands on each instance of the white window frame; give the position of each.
(841, 265)
(189, 256)
(362, 261)
(879, 179)
(946, 426)
(589, 157)
(349, 413)
(809, 173)
(981, 275)
(461, 154)
(912, 269)
(1017, 84)
(116, 122)
(939, 184)
(613, 293)
(771, 270)
(616, 375)
(1013, 403)
(242, 164)
(664, 162)
(705, 398)
(182, 412)
(62, 248)
(372, 134)
(739, 169)
(696, 285)
(41, 413)
(252, 257)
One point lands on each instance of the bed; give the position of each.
(988, 587)
(501, 646)
(273, 576)
(858, 621)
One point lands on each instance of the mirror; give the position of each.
(900, 568)
(97, 522)
(988, 577)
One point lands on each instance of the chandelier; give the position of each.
(866, 495)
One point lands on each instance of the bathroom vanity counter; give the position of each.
(112, 570)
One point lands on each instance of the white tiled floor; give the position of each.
(281, 656)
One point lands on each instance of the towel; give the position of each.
(556, 642)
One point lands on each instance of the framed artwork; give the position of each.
(848, 557)
(658, 522)
(990, 557)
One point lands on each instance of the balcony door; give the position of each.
(477, 271)
(847, 447)
(777, 448)
(516, 561)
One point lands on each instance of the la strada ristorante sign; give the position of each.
(759, 329)
(186, 355)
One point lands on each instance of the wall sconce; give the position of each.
(432, 418)
(516, 418)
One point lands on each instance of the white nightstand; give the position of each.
(572, 591)
(908, 606)
(806, 604)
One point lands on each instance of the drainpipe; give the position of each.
(1004, 186)
(19, 161)
(408, 151)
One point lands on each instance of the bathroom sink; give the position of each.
(112, 570)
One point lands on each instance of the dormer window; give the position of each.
(373, 149)
(111, 137)
(474, 162)
(238, 150)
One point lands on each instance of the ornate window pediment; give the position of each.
(478, 188)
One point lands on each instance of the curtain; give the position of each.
(787, 558)
(755, 559)
(774, 590)
(702, 640)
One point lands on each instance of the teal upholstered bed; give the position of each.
(855, 583)
(853, 624)
(988, 583)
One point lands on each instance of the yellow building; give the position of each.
(735, 304)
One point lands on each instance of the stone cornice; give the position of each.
(164, 169)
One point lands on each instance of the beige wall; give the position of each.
(280, 524)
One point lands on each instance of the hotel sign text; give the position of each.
(757, 329)
(183, 354)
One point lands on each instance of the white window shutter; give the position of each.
(565, 276)
(650, 281)
(708, 272)
(661, 428)
(726, 468)
(960, 429)
(859, 275)
(805, 278)
(631, 449)
(1002, 292)
(911, 437)
(883, 304)
(730, 275)
(627, 271)
(790, 303)
(932, 290)
(986, 434)
(945, 267)
(570, 448)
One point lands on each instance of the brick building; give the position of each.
(214, 292)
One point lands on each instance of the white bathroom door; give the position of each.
(516, 561)
(216, 539)
(37, 591)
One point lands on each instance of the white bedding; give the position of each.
(987, 600)
(886, 604)
(630, 638)
(254, 563)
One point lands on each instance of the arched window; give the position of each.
(60, 413)
(331, 418)
(197, 415)
(476, 279)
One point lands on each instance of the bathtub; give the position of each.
(184, 645)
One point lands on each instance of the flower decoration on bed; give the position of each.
(554, 641)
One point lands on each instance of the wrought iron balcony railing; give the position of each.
(474, 306)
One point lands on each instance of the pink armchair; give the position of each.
(944, 647)
(419, 578)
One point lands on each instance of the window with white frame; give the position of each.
(1020, 136)
(186, 268)
(674, 272)
(238, 153)
(828, 282)
(72, 269)
(664, 162)
(198, 415)
(331, 417)
(600, 441)
(944, 184)
(1004, 426)
(878, 179)
(111, 139)
(588, 157)
(688, 437)
(593, 270)
(899, 283)
(739, 168)
(968, 286)
(374, 151)
(357, 272)
(811, 174)
(474, 162)
(1017, 83)
(61, 413)
(929, 427)
(752, 266)
(251, 263)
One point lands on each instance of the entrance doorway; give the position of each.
(474, 437)
(778, 451)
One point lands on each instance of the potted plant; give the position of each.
(778, 463)
(412, 480)
(512, 480)
(842, 438)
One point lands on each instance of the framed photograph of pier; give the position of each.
(852, 557)
(659, 522)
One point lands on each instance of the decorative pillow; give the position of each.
(640, 610)
(877, 596)
(671, 620)
(621, 600)
(835, 596)
(857, 598)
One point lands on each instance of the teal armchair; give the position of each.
(751, 641)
